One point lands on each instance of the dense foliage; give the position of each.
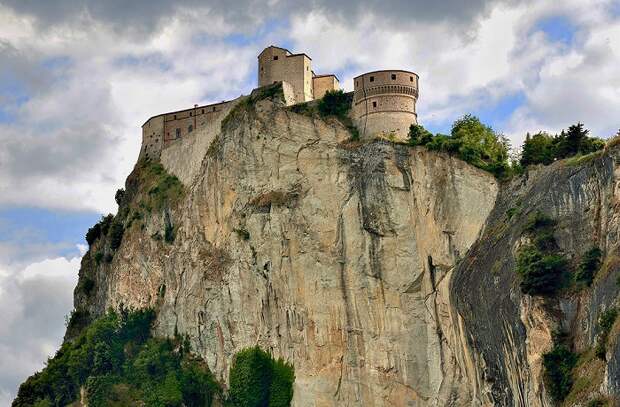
(257, 380)
(605, 323)
(542, 148)
(471, 141)
(540, 266)
(334, 103)
(589, 265)
(558, 364)
(99, 229)
(116, 359)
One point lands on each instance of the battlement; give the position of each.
(384, 102)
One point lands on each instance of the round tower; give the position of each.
(384, 103)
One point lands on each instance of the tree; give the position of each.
(479, 145)
(419, 136)
(250, 378)
(335, 103)
(575, 138)
(537, 149)
(119, 196)
(116, 234)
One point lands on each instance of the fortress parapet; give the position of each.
(384, 103)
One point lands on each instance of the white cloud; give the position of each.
(34, 301)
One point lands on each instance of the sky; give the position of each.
(79, 77)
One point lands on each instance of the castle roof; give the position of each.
(187, 110)
(288, 53)
(387, 70)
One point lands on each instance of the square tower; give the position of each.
(277, 64)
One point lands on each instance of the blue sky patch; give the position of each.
(557, 29)
(63, 229)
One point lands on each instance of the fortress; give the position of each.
(384, 102)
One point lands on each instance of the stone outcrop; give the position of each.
(385, 273)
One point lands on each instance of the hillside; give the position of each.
(385, 274)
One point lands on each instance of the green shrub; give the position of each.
(542, 148)
(98, 257)
(106, 222)
(419, 136)
(250, 378)
(169, 234)
(540, 266)
(119, 196)
(116, 359)
(539, 221)
(589, 266)
(281, 389)
(93, 234)
(558, 365)
(86, 285)
(471, 141)
(541, 273)
(605, 323)
(334, 103)
(116, 235)
(257, 380)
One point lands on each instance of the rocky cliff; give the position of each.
(385, 273)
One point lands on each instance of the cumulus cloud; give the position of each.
(34, 301)
(78, 78)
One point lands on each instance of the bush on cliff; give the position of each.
(116, 359)
(539, 264)
(471, 141)
(99, 229)
(589, 266)
(558, 365)
(542, 148)
(605, 323)
(257, 380)
(116, 234)
(335, 103)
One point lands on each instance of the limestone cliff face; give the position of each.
(340, 257)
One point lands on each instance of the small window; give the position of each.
(175, 117)
(190, 114)
(178, 133)
(190, 128)
(374, 104)
(203, 111)
(411, 79)
(214, 108)
(372, 79)
(262, 69)
(393, 76)
(275, 57)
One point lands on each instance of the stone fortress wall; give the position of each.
(160, 131)
(384, 103)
